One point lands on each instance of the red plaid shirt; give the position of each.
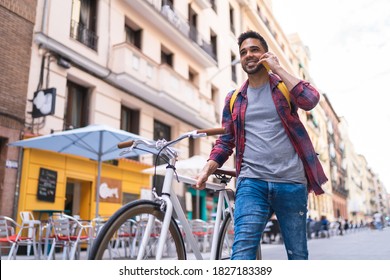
(303, 96)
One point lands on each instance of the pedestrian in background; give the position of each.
(378, 221)
(309, 226)
(324, 227)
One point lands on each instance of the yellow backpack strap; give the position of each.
(233, 99)
(282, 87)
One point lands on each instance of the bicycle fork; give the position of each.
(164, 231)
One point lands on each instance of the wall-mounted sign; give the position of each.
(110, 190)
(44, 102)
(47, 183)
(11, 164)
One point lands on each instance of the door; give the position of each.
(78, 198)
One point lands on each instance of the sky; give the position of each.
(349, 42)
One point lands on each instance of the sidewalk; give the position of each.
(360, 245)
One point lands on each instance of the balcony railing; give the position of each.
(82, 34)
(160, 77)
(182, 24)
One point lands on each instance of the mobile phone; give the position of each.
(266, 66)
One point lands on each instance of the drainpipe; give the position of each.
(109, 36)
(44, 17)
(18, 175)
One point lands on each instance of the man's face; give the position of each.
(250, 52)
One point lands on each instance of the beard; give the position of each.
(254, 70)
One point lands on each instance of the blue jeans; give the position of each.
(256, 201)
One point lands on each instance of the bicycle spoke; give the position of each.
(122, 236)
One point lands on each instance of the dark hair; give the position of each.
(252, 34)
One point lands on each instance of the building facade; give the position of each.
(338, 171)
(16, 28)
(156, 68)
(357, 211)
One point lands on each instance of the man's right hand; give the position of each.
(203, 176)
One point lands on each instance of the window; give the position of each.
(76, 106)
(214, 5)
(170, 3)
(130, 120)
(166, 56)
(83, 22)
(161, 130)
(213, 41)
(130, 123)
(231, 16)
(234, 72)
(129, 197)
(215, 99)
(193, 22)
(193, 77)
(259, 12)
(193, 147)
(133, 35)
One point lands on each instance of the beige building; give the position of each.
(315, 122)
(376, 196)
(368, 183)
(381, 197)
(357, 209)
(336, 155)
(156, 68)
(316, 125)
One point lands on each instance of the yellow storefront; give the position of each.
(53, 182)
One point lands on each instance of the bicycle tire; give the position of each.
(226, 238)
(109, 235)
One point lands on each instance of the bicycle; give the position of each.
(147, 229)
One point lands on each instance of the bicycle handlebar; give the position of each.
(199, 133)
(125, 144)
(212, 131)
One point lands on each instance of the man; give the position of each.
(275, 160)
(378, 221)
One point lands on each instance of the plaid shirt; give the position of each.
(303, 96)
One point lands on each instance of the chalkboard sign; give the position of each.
(47, 183)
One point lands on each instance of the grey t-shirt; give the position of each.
(269, 154)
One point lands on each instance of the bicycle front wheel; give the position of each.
(121, 236)
(226, 239)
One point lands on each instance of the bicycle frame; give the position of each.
(171, 202)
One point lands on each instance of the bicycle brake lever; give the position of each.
(198, 135)
(126, 151)
(195, 134)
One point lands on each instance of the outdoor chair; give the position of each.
(28, 218)
(69, 233)
(13, 235)
(124, 240)
(201, 232)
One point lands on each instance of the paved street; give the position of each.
(361, 245)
